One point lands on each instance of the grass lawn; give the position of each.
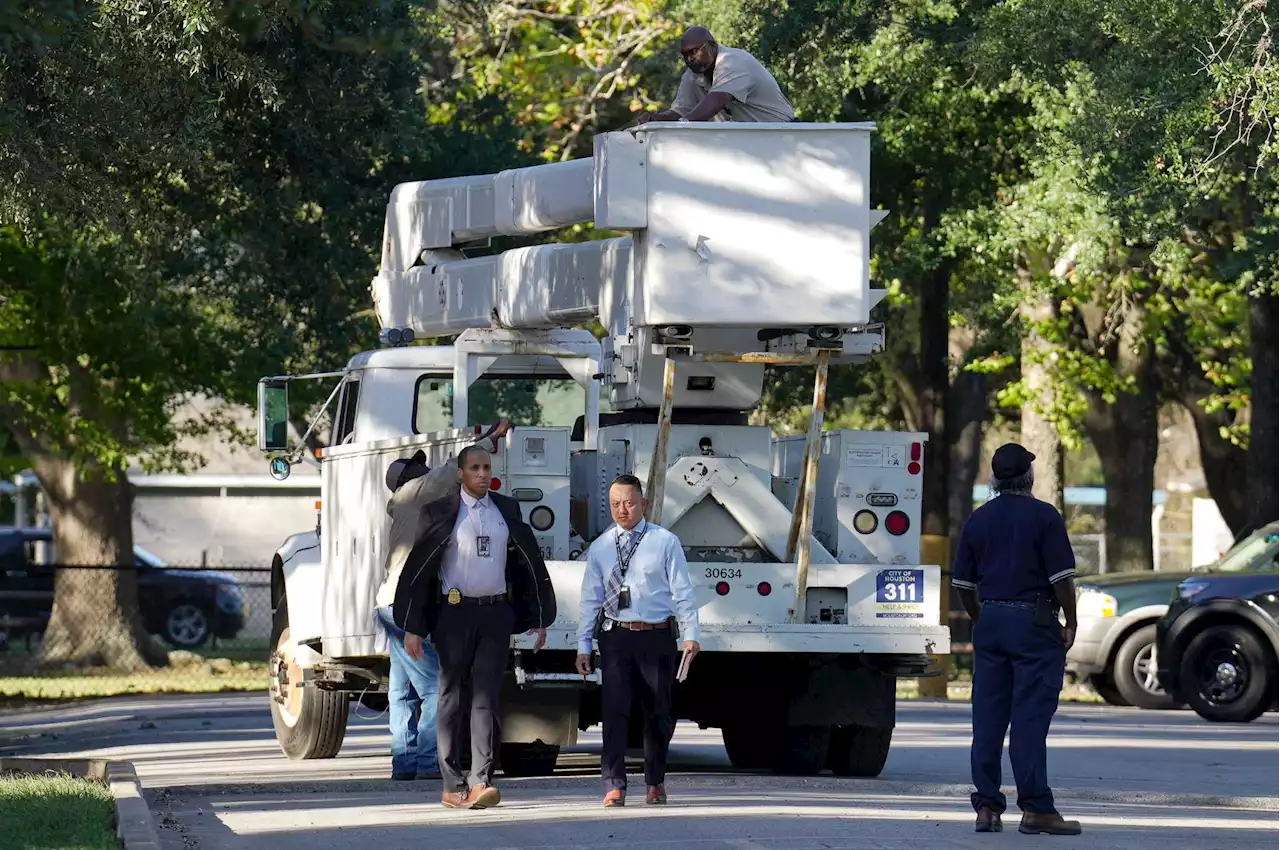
(195, 677)
(56, 813)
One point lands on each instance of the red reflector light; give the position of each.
(896, 523)
(916, 449)
(913, 468)
(722, 588)
(495, 483)
(764, 588)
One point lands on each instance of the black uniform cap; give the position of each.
(1010, 461)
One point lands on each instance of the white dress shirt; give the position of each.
(463, 567)
(657, 578)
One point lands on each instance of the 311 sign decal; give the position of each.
(900, 594)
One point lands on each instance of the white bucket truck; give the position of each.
(748, 246)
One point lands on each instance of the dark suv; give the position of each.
(1217, 644)
(185, 607)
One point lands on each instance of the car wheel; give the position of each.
(1226, 674)
(1134, 671)
(1110, 695)
(187, 625)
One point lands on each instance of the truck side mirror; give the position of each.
(273, 416)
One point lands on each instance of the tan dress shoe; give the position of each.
(615, 798)
(1051, 823)
(455, 800)
(484, 797)
(656, 795)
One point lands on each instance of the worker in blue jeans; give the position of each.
(1014, 572)
(411, 695)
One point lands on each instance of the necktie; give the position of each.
(613, 587)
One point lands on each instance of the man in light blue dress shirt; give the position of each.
(636, 586)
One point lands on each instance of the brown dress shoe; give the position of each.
(455, 800)
(483, 797)
(1051, 823)
(656, 795)
(615, 797)
(988, 821)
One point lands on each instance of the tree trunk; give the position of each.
(1126, 435)
(1264, 460)
(1039, 434)
(96, 619)
(1224, 463)
(966, 415)
(931, 395)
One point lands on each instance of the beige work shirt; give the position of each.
(756, 95)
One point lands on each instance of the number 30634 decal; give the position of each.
(900, 594)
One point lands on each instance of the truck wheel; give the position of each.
(859, 750)
(1227, 674)
(309, 723)
(1107, 691)
(536, 759)
(1134, 671)
(804, 750)
(747, 749)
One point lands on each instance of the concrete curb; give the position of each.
(589, 786)
(134, 825)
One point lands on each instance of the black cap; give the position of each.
(404, 470)
(1010, 461)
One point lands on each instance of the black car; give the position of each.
(1218, 643)
(185, 607)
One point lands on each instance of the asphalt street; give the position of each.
(217, 781)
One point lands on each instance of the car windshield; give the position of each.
(1256, 552)
(554, 402)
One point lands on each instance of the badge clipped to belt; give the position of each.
(455, 596)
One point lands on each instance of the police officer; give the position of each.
(1014, 569)
(637, 587)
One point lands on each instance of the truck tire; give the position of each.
(309, 723)
(1227, 674)
(859, 750)
(536, 759)
(1134, 671)
(804, 750)
(747, 748)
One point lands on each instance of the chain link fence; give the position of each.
(204, 629)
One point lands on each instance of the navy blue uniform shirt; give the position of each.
(1013, 547)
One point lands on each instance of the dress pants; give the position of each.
(472, 642)
(644, 664)
(1017, 675)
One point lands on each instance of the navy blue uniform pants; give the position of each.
(1017, 675)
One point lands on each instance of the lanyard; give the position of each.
(624, 562)
(481, 527)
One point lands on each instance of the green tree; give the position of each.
(198, 201)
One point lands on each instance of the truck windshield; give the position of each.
(555, 402)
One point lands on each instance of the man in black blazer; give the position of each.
(474, 578)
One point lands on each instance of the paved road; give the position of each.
(217, 781)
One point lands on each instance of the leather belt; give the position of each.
(635, 626)
(458, 600)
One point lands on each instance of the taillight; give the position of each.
(913, 468)
(897, 523)
(764, 588)
(916, 450)
(722, 588)
(495, 483)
